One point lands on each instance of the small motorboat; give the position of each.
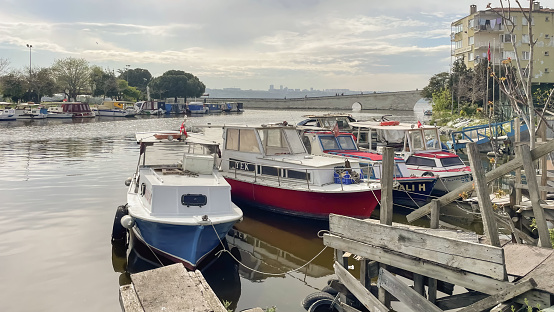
(7, 114)
(178, 204)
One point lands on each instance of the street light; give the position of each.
(30, 46)
(127, 72)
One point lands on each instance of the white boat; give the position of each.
(421, 147)
(29, 111)
(7, 114)
(178, 203)
(115, 109)
(57, 112)
(149, 108)
(269, 167)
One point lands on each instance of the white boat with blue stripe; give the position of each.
(179, 205)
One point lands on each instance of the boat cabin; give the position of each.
(78, 109)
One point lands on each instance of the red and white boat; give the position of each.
(76, 109)
(420, 146)
(269, 167)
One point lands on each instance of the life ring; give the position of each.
(390, 123)
(428, 174)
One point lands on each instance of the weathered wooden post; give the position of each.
(485, 205)
(538, 212)
(432, 283)
(385, 213)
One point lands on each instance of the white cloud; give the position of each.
(250, 44)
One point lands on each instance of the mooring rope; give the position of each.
(254, 270)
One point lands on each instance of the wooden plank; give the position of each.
(346, 308)
(472, 257)
(522, 259)
(521, 234)
(534, 196)
(129, 300)
(485, 205)
(172, 288)
(500, 297)
(404, 293)
(387, 177)
(492, 175)
(435, 214)
(541, 188)
(361, 293)
(544, 275)
(459, 300)
(451, 275)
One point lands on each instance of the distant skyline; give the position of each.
(247, 44)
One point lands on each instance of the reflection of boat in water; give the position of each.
(278, 244)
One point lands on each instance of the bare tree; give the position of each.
(4, 64)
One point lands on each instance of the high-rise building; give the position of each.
(482, 32)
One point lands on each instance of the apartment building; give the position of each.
(473, 35)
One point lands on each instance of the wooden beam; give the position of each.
(492, 175)
(473, 257)
(404, 293)
(360, 292)
(435, 214)
(502, 296)
(460, 300)
(489, 223)
(538, 212)
(438, 271)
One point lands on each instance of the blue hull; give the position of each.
(180, 243)
(412, 193)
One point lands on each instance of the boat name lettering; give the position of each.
(241, 165)
(411, 187)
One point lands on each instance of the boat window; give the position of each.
(232, 140)
(432, 139)
(270, 170)
(328, 142)
(452, 161)
(301, 175)
(295, 142)
(367, 171)
(248, 141)
(198, 200)
(416, 141)
(346, 142)
(273, 141)
(420, 161)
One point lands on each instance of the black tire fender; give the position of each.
(323, 305)
(428, 174)
(119, 233)
(317, 296)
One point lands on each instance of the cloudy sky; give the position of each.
(249, 44)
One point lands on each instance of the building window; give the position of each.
(471, 23)
(525, 55)
(508, 54)
(525, 38)
(470, 40)
(524, 21)
(470, 56)
(458, 44)
(458, 28)
(506, 38)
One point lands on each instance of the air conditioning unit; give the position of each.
(546, 70)
(545, 53)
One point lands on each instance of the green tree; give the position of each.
(72, 75)
(103, 82)
(437, 83)
(14, 86)
(177, 83)
(442, 100)
(136, 77)
(43, 83)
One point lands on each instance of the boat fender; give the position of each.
(128, 181)
(119, 233)
(322, 305)
(127, 221)
(314, 297)
(428, 174)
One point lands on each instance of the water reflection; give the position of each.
(276, 244)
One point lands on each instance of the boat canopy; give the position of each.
(269, 140)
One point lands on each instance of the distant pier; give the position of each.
(398, 101)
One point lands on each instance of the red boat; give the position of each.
(269, 167)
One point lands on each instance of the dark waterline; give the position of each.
(61, 183)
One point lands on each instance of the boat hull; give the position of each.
(187, 244)
(448, 183)
(413, 192)
(309, 204)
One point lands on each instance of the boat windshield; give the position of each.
(416, 141)
(452, 161)
(343, 142)
(243, 140)
(278, 141)
(329, 123)
(432, 139)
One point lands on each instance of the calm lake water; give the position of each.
(61, 183)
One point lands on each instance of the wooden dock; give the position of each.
(170, 288)
(497, 274)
